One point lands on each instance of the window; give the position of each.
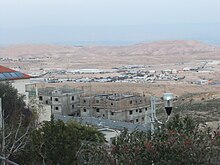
(130, 112)
(112, 113)
(46, 101)
(136, 110)
(145, 109)
(51, 98)
(73, 98)
(140, 111)
(84, 101)
(73, 106)
(103, 115)
(136, 120)
(142, 118)
(40, 97)
(111, 103)
(84, 109)
(97, 109)
(97, 101)
(56, 99)
(56, 108)
(130, 101)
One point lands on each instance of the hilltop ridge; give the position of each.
(113, 56)
(153, 48)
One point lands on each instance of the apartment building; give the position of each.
(119, 107)
(62, 101)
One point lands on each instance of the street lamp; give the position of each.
(168, 104)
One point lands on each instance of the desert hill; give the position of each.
(111, 56)
(160, 48)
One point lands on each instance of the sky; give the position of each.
(108, 21)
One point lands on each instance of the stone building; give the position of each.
(118, 107)
(62, 101)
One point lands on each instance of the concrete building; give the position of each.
(118, 107)
(62, 101)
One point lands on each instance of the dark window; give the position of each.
(51, 98)
(136, 120)
(130, 112)
(84, 109)
(40, 97)
(73, 98)
(56, 99)
(111, 103)
(46, 101)
(112, 113)
(56, 108)
(97, 109)
(73, 106)
(142, 118)
(97, 101)
(140, 111)
(131, 102)
(145, 109)
(103, 115)
(136, 110)
(84, 101)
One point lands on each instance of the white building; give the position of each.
(17, 79)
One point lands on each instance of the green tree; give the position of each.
(58, 143)
(179, 142)
(16, 121)
(12, 103)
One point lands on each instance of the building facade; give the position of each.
(17, 79)
(118, 107)
(62, 101)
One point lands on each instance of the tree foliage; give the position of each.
(179, 142)
(12, 102)
(58, 143)
(16, 121)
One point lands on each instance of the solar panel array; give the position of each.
(11, 75)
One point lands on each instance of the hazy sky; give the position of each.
(106, 18)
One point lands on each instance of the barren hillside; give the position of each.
(112, 56)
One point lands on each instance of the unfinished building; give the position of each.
(62, 101)
(118, 107)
